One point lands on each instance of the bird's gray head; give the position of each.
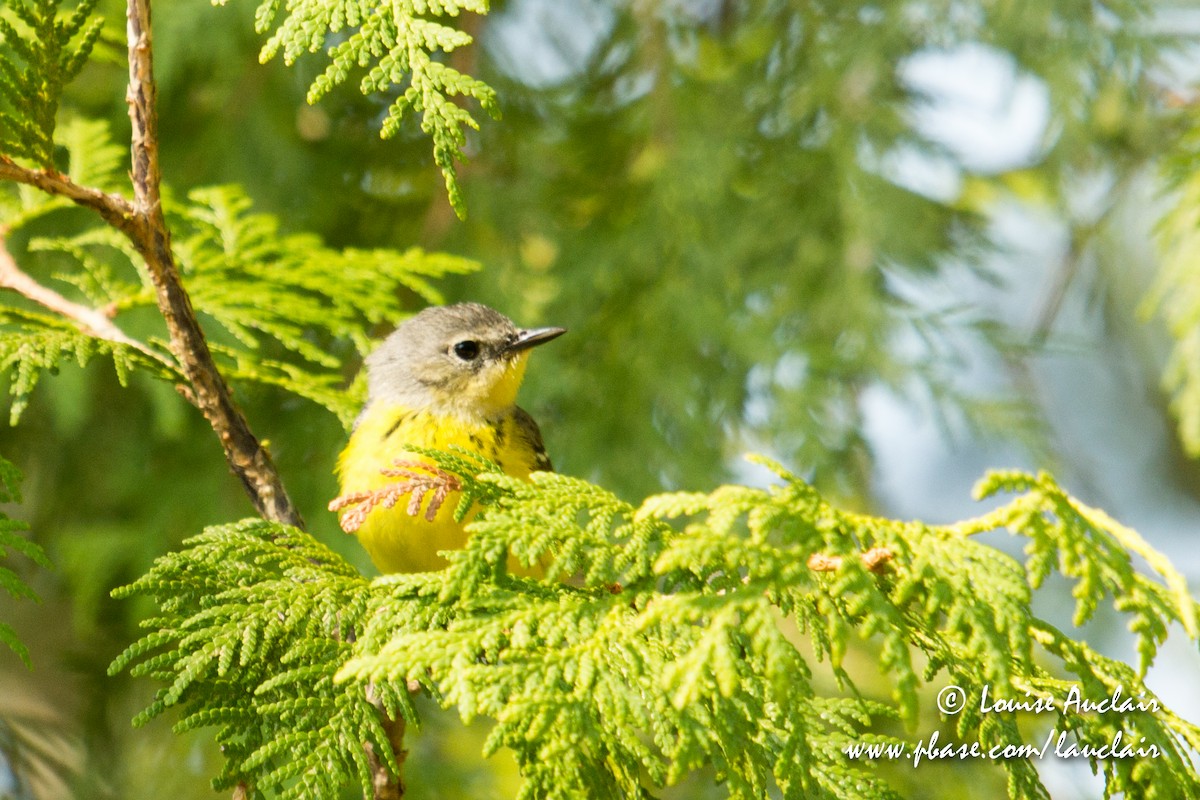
(464, 359)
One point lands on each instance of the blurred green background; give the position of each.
(888, 243)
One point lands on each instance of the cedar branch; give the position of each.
(245, 454)
(88, 320)
(114, 209)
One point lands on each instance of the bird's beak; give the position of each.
(532, 338)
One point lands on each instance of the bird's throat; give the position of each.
(492, 392)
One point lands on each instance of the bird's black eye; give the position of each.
(467, 350)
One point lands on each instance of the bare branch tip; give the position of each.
(421, 481)
(876, 560)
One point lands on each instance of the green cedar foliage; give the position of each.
(246, 652)
(12, 541)
(288, 311)
(397, 42)
(41, 51)
(650, 651)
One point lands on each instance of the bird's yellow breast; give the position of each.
(397, 540)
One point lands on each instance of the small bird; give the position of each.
(447, 376)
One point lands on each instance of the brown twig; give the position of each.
(384, 785)
(114, 209)
(149, 234)
(243, 451)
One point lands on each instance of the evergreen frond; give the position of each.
(41, 52)
(257, 617)
(647, 650)
(11, 541)
(93, 158)
(1174, 741)
(104, 260)
(399, 44)
(34, 343)
(1088, 546)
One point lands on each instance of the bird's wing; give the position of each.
(528, 430)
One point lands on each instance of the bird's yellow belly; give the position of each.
(398, 542)
(397, 539)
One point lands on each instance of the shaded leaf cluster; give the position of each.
(41, 51)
